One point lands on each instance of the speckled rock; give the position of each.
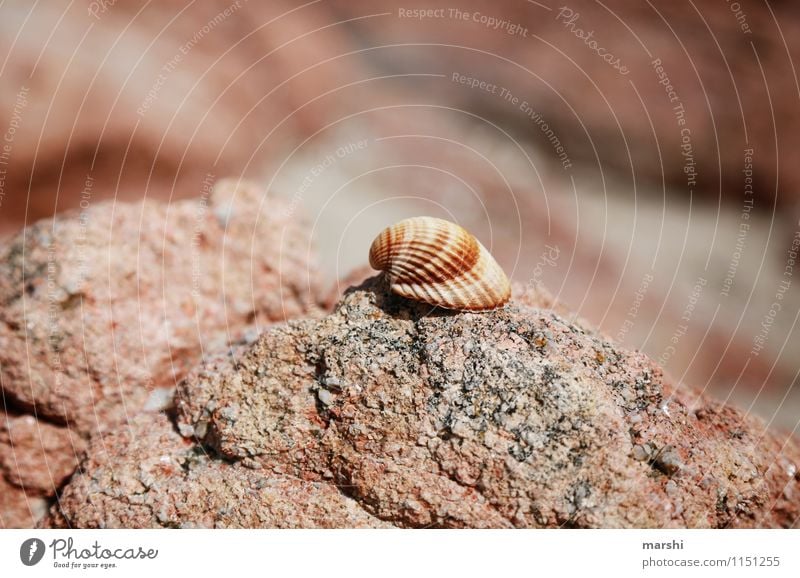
(105, 310)
(146, 475)
(99, 308)
(514, 418)
(18, 509)
(35, 456)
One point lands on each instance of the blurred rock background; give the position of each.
(637, 160)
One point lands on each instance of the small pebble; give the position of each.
(200, 429)
(668, 461)
(671, 488)
(707, 482)
(160, 399)
(186, 430)
(640, 453)
(331, 381)
(223, 213)
(229, 413)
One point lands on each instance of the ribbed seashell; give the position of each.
(440, 263)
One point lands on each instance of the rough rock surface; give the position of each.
(420, 417)
(74, 103)
(105, 310)
(102, 307)
(18, 509)
(147, 475)
(37, 456)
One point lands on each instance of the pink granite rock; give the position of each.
(514, 418)
(35, 455)
(146, 475)
(18, 509)
(105, 310)
(102, 307)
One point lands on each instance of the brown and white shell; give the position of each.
(440, 263)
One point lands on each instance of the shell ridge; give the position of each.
(440, 263)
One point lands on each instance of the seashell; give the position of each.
(440, 263)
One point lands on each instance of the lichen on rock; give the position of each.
(423, 418)
(101, 307)
(105, 310)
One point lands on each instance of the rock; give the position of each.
(37, 456)
(146, 475)
(17, 509)
(540, 423)
(105, 310)
(111, 131)
(104, 306)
